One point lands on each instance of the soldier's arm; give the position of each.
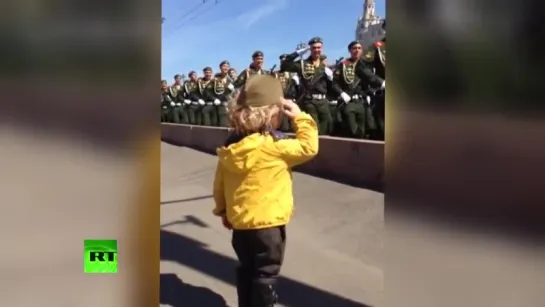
(364, 71)
(240, 80)
(337, 81)
(289, 64)
(208, 92)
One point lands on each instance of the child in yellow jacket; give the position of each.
(253, 183)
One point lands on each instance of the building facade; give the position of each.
(369, 26)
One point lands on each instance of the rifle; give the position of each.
(339, 60)
(272, 69)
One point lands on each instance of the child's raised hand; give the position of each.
(290, 108)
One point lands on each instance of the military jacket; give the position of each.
(346, 78)
(220, 88)
(289, 86)
(206, 89)
(176, 92)
(165, 97)
(247, 74)
(192, 91)
(312, 78)
(376, 56)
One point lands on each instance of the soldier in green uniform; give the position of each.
(375, 56)
(222, 89)
(256, 68)
(232, 74)
(193, 99)
(166, 102)
(314, 78)
(352, 81)
(176, 90)
(289, 88)
(331, 97)
(208, 111)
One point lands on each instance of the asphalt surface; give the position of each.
(334, 242)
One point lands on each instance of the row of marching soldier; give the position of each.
(346, 99)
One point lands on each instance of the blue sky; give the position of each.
(233, 29)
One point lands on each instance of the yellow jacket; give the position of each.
(253, 184)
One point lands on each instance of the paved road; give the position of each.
(333, 257)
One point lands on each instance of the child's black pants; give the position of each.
(260, 253)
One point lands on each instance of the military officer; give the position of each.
(352, 86)
(232, 74)
(314, 79)
(193, 99)
(289, 88)
(208, 111)
(375, 56)
(176, 90)
(166, 102)
(256, 68)
(222, 88)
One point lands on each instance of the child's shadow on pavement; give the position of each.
(174, 292)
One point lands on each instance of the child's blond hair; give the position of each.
(256, 106)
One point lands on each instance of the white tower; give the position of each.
(369, 28)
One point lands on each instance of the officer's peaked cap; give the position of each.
(224, 62)
(207, 68)
(191, 73)
(176, 76)
(256, 54)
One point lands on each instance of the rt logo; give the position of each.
(100, 256)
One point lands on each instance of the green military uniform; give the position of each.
(193, 95)
(375, 56)
(315, 78)
(208, 110)
(290, 88)
(358, 121)
(221, 90)
(165, 102)
(177, 112)
(251, 71)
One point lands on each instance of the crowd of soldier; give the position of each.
(345, 99)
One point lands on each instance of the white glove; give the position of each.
(368, 99)
(172, 104)
(164, 107)
(231, 87)
(217, 102)
(201, 102)
(179, 104)
(187, 101)
(296, 79)
(383, 85)
(302, 51)
(333, 102)
(345, 97)
(329, 73)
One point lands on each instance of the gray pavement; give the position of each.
(333, 256)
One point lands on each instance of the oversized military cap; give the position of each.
(282, 56)
(176, 76)
(224, 62)
(191, 73)
(315, 40)
(256, 54)
(352, 44)
(260, 91)
(207, 68)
